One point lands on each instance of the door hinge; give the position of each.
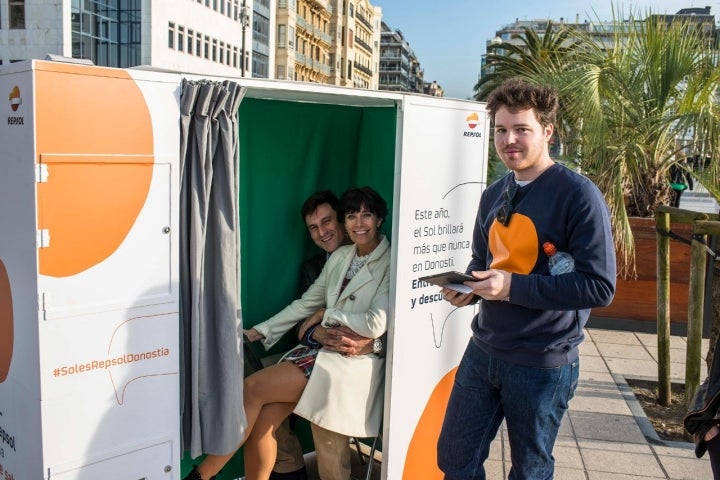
(41, 173)
(43, 238)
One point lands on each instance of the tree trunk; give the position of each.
(715, 312)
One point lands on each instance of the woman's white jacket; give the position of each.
(343, 394)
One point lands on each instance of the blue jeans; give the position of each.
(486, 390)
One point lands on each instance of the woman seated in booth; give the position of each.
(337, 392)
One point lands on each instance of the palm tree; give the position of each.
(625, 103)
(657, 84)
(535, 58)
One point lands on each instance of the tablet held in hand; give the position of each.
(453, 280)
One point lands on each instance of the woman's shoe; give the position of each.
(296, 475)
(194, 474)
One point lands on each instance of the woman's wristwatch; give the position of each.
(377, 345)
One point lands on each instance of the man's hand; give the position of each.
(253, 335)
(490, 285)
(343, 340)
(310, 322)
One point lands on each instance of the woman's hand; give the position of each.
(310, 322)
(253, 335)
(344, 340)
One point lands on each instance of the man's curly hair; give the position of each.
(518, 95)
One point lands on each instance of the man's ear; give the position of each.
(549, 130)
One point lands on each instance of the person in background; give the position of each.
(522, 361)
(351, 291)
(680, 180)
(703, 416)
(319, 213)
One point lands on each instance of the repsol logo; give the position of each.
(16, 120)
(472, 134)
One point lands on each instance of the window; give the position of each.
(351, 10)
(282, 36)
(171, 35)
(214, 50)
(259, 65)
(261, 29)
(207, 48)
(280, 72)
(17, 13)
(181, 39)
(190, 41)
(291, 37)
(198, 45)
(282, 4)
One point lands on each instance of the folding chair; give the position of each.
(371, 456)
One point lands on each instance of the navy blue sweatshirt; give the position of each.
(541, 324)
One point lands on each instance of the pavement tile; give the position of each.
(617, 350)
(619, 476)
(592, 364)
(602, 426)
(568, 457)
(566, 428)
(627, 463)
(588, 348)
(564, 473)
(668, 451)
(494, 469)
(650, 340)
(496, 449)
(613, 336)
(599, 402)
(610, 446)
(597, 392)
(634, 368)
(686, 468)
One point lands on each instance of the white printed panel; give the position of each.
(18, 267)
(20, 432)
(153, 462)
(443, 172)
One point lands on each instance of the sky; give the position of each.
(449, 36)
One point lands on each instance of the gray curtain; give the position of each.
(213, 417)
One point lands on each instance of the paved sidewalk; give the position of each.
(606, 435)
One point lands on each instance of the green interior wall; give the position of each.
(288, 150)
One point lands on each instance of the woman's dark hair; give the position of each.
(317, 199)
(355, 198)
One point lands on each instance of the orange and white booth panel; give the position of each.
(89, 350)
(442, 173)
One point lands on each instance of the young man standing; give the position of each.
(522, 364)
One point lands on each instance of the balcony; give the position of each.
(363, 69)
(364, 21)
(308, 62)
(365, 46)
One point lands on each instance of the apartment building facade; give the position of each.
(328, 41)
(603, 32)
(324, 41)
(399, 66)
(198, 36)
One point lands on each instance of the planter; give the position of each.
(636, 299)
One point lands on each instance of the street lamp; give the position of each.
(244, 23)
